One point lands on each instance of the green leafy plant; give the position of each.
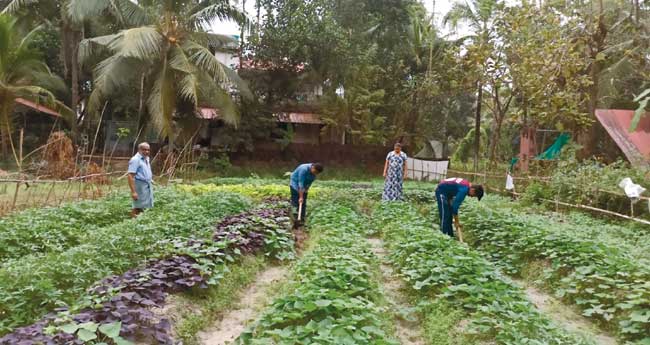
(605, 282)
(435, 266)
(334, 298)
(34, 284)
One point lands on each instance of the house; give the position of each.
(37, 120)
(309, 128)
(635, 145)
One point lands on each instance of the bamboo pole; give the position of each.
(585, 207)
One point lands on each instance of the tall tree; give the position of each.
(480, 16)
(172, 53)
(23, 74)
(69, 17)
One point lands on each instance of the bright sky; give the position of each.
(230, 28)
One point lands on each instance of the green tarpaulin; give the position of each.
(551, 153)
(554, 150)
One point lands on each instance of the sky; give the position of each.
(442, 7)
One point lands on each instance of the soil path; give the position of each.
(565, 316)
(407, 327)
(251, 300)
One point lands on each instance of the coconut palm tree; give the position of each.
(479, 15)
(24, 74)
(170, 56)
(68, 17)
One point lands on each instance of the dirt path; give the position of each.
(407, 329)
(251, 300)
(565, 316)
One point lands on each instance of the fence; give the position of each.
(425, 170)
(21, 193)
(617, 204)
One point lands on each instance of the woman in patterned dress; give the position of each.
(394, 171)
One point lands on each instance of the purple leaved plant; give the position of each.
(129, 298)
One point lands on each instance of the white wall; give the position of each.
(227, 58)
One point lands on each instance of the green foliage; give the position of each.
(441, 324)
(54, 229)
(356, 112)
(547, 67)
(581, 183)
(168, 52)
(334, 296)
(643, 100)
(23, 73)
(88, 331)
(35, 284)
(465, 149)
(606, 283)
(434, 265)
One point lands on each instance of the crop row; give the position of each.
(119, 307)
(625, 238)
(437, 268)
(35, 284)
(334, 297)
(255, 191)
(256, 188)
(606, 283)
(54, 229)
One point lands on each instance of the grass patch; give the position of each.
(215, 300)
(443, 325)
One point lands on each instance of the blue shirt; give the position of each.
(302, 178)
(139, 165)
(455, 188)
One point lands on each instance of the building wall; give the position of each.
(227, 58)
(306, 134)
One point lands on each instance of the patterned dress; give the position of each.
(394, 176)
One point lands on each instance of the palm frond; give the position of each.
(81, 10)
(188, 85)
(203, 59)
(6, 35)
(112, 75)
(188, 88)
(141, 43)
(132, 14)
(179, 61)
(459, 12)
(91, 47)
(162, 102)
(28, 39)
(215, 96)
(16, 5)
(211, 40)
(51, 82)
(205, 15)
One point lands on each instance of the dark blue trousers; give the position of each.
(444, 211)
(295, 197)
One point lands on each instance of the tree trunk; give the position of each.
(495, 139)
(589, 139)
(241, 37)
(4, 113)
(70, 55)
(477, 126)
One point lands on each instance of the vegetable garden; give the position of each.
(83, 273)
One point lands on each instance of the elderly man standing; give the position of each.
(140, 180)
